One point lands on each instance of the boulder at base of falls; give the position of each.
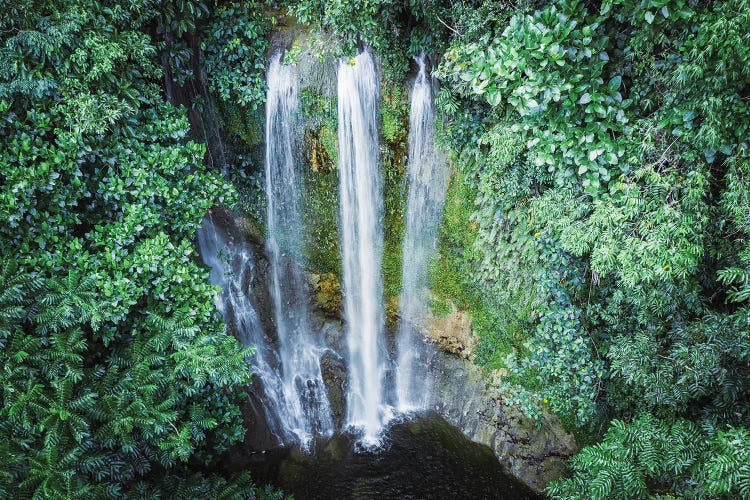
(467, 398)
(464, 397)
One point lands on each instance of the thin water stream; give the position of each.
(232, 268)
(427, 177)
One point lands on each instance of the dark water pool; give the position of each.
(422, 458)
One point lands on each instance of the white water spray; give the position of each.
(306, 410)
(232, 269)
(427, 174)
(361, 208)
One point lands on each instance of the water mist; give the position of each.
(361, 210)
(307, 410)
(427, 174)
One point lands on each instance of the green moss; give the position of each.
(318, 110)
(329, 142)
(440, 306)
(392, 257)
(453, 282)
(451, 275)
(320, 206)
(394, 112)
(328, 293)
(320, 215)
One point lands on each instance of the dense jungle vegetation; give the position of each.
(597, 227)
(117, 377)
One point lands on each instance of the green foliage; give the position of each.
(649, 456)
(632, 456)
(604, 179)
(116, 369)
(351, 20)
(562, 352)
(548, 69)
(727, 469)
(606, 147)
(737, 278)
(394, 29)
(234, 46)
(696, 362)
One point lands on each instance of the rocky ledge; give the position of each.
(535, 453)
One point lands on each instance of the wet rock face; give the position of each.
(241, 232)
(256, 418)
(332, 362)
(316, 68)
(333, 368)
(452, 333)
(535, 455)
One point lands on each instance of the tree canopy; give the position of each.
(117, 376)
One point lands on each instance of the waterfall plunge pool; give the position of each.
(424, 457)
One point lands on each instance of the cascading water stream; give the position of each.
(307, 408)
(427, 175)
(232, 270)
(361, 212)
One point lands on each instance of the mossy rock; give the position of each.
(320, 155)
(328, 294)
(391, 312)
(333, 371)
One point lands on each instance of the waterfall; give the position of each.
(427, 174)
(232, 269)
(288, 367)
(361, 205)
(307, 410)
